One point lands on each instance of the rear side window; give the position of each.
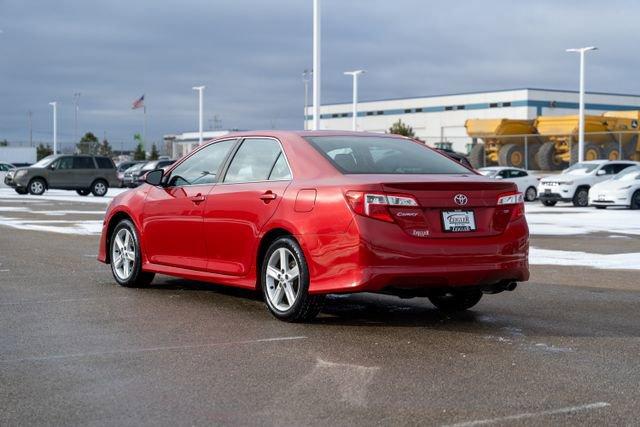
(381, 155)
(104, 163)
(83, 163)
(253, 161)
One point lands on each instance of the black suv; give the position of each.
(85, 174)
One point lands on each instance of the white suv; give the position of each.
(574, 183)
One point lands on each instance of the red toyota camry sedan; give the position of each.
(298, 215)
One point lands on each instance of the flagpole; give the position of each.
(144, 128)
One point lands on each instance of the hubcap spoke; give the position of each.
(277, 295)
(288, 290)
(293, 273)
(273, 272)
(283, 259)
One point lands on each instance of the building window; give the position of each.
(506, 104)
(379, 113)
(449, 108)
(369, 113)
(460, 107)
(335, 115)
(407, 111)
(418, 110)
(344, 115)
(493, 105)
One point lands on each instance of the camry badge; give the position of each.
(460, 199)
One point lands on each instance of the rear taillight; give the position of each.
(510, 207)
(376, 205)
(511, 199)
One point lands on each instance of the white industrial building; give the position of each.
(177, 145)
(442, 117)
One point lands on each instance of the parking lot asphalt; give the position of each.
(76, 349)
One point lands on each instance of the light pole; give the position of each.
(200, 89)
(316, 65)
(54, 104)
(355, 74)
(76, 99)
(306, 75)
(582, 51)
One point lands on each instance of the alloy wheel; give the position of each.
(123, 254)
(530, 194)
(36, 187)
(100, 189)
(282, 279)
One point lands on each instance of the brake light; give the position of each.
(510, 207)
(376, 205)
(511, 199)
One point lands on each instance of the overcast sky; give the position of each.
(250, 55)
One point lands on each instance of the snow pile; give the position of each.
(628, 261)
(564, 221)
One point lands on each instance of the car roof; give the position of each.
(500, 168)
(304, 133)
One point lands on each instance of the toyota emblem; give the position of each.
(460, 199)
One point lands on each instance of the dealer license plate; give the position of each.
(457, 221)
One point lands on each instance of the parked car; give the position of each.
(123, 166)
(4, 169)
(85, 174)
(574, 183)
(132, 176)
(621, 190)
(297, 215)
(527, 184)
(149, 166)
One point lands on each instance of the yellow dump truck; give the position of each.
(503, 142)
(604, 135)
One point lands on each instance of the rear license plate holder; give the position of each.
(458, 221)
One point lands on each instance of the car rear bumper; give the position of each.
(393, 260)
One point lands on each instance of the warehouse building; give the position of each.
(442, 117)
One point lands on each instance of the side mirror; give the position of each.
(52, 167)
(154, 177)
(601, 172)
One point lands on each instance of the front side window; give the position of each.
(253, 161)
(65, 163)
(202, 167)
(383, 155)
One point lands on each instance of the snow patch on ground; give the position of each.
(628, 261)
(55, 226)
(62, 196)
(564, 221)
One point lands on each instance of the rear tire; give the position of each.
(511, 155)
(83, 192)
(611, 151)
(124, 245)
(37, 186)
(456, 301)
(99, 188)
(531, 194)
(591, 152)
(284, 279)
(601, 207)
(581, 197)
(549, 202)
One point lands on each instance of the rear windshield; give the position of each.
(381, 155)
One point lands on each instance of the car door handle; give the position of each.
(198, 198)
(269, 195)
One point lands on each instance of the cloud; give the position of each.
(250, 55)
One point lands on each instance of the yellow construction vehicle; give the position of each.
(503, 142)
(601, 139)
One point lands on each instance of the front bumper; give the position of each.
(553, 197)
(11, 182)
(618, 198)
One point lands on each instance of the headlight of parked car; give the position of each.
(20, 173)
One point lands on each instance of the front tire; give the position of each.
(635, 200)
(99, 188)
(549, 202)
(37, 186)
(531, 194)
(285, 283)
(126, 257)
(83, 192)
(456, 301)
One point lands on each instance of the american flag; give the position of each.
(138, 103)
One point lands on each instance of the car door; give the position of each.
(238, 207)
(519, 178)
(607, 172)
(61, 173)
(172, 231)
(84, 170)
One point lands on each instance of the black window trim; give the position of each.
(185, 158)
(235, 149)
